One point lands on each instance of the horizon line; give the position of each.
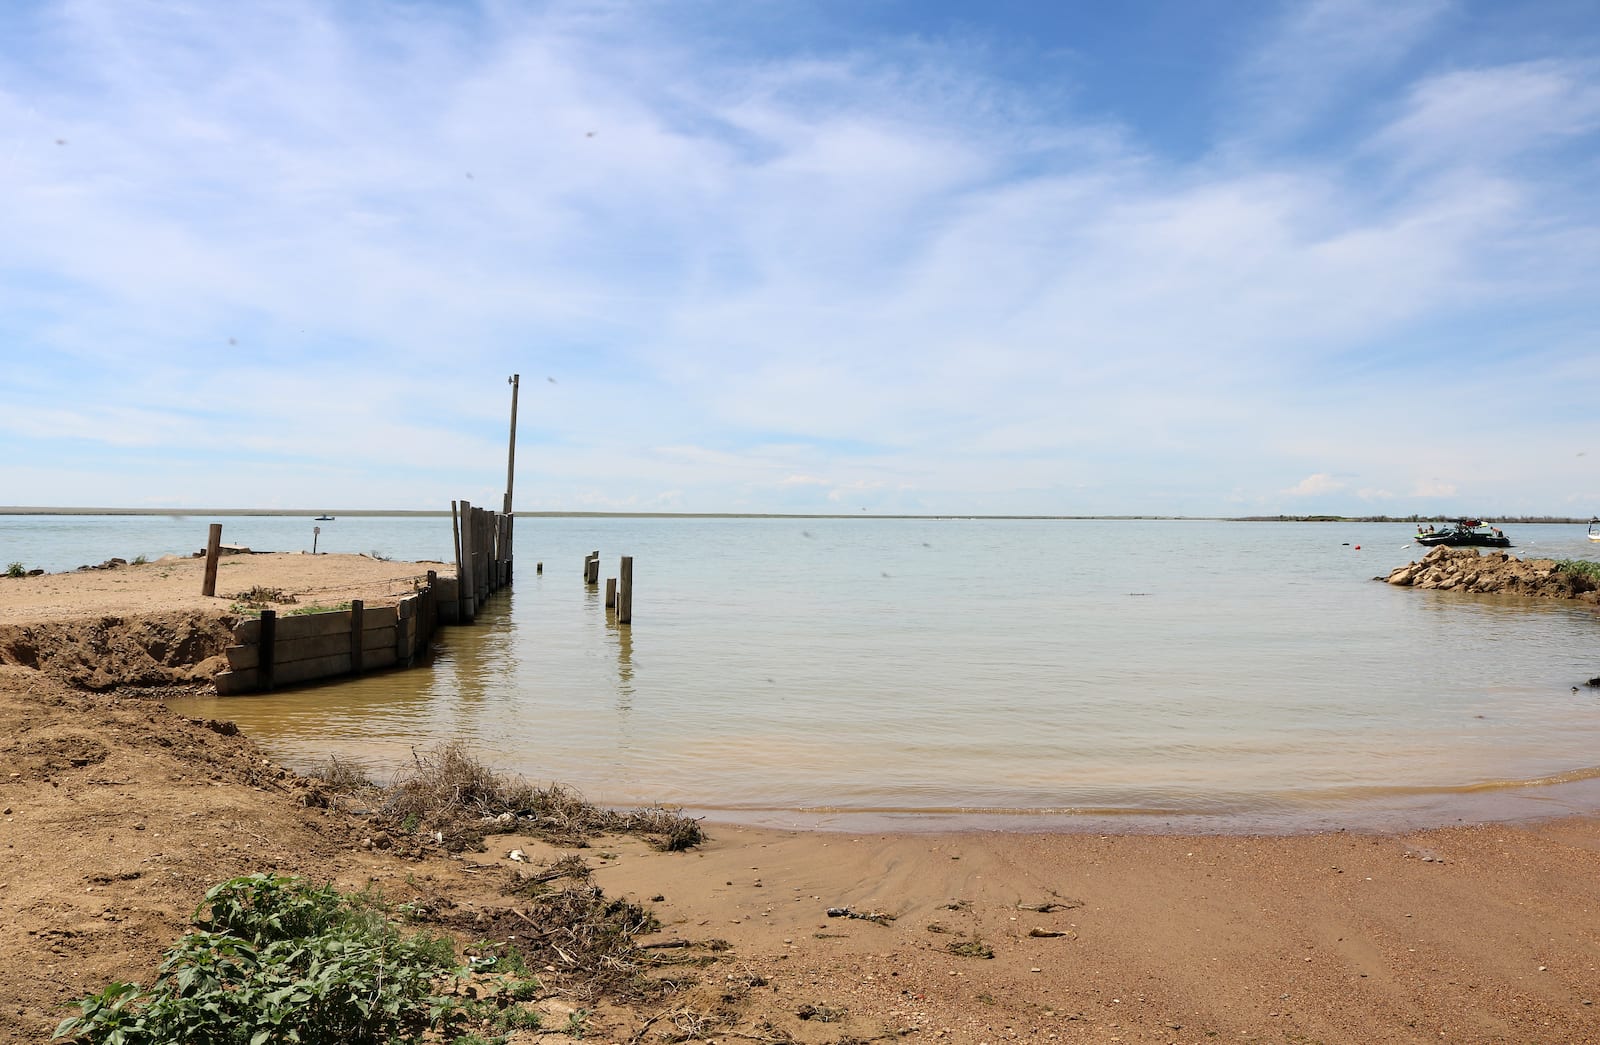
(314, 513)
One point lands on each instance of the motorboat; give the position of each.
(1466, 533)
(1594, 529)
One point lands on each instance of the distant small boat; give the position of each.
(1594, 529)
(324, 518)
(1466, 532)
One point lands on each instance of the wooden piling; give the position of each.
(405, 631)
(430, 612)
(268, 643)
(358, 625)
(625, 591)
(208, 586)
(468, 589)
(611, 593)
(455, 531)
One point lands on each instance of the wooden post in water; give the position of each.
(268, 647)
(430, 620)
(625, 591)
(611, 593)
(464, 583)
(358, 612)
(591, 567)
(455, 531)
(405, 631)
(213, 549)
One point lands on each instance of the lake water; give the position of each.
(946, 672)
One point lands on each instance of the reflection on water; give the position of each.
(1192, 673)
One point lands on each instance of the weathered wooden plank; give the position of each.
(380, 617)
(375, 639)
(314, 648)
(296, 626)
(231, 682)
(381, 658)
(312, 625)
(310, 670)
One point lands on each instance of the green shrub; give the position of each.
(276, 959)
(16, 569)
(1583, 567)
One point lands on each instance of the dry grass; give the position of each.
(344, 775)
(449, 792)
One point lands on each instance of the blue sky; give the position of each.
(1158, 257)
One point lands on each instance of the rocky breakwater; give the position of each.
(1498, 573)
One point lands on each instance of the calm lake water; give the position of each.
(1036, 674)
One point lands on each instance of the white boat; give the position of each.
(1594, 529)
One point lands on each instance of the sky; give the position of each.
(1163, 257)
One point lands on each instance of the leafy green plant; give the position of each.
(1582, 567)
(16, 569)
(139, 560)
(277, 959)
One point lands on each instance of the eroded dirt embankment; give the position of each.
(1497, 572)
(101, 653)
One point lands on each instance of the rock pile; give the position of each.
(1465, 569)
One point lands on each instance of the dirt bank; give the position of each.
(1466, 569)
(118, 814)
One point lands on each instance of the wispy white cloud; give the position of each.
(1494, 114)
(1317, 56)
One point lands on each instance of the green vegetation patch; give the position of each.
(1581, 567)
(277, 959)
(317, 607)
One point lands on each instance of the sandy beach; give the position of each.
(118, 814)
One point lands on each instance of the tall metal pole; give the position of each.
(511, 470)
(511, 454)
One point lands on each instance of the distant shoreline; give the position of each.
(434, 513)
